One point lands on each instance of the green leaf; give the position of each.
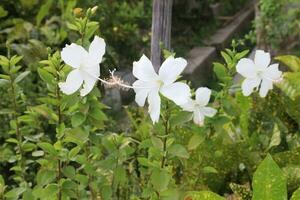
(269, 181)
(181, 118)
(2, 185)
(15, 60)
(120, 175)
(50, 191)
(48, 148)
(12, 140)
(157, 143)
(160, 179)
(77, 119)
(46, 76)
(37, 153)
(146, 162)
(15, 193)
(76, 135)
(3, 12)
(242, 54)
(209, 170)
(5, 77)
(45, 177)
(296, 195)
(3, 82)
(97, 114)
(203, 195)
(106, 192)
(69, 171)
(195, 141)
(221, 72)
(44, 11)
(293, 62)
(226, 57)
(73, 152)
(179, 151)
(276, 139)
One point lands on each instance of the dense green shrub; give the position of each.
(58, 146)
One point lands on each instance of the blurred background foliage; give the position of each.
(227, 150)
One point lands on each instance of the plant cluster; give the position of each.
(235, 140)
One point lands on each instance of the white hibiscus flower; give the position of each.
(150, 84)
(85, 66)
(199, 106)
(258, 73)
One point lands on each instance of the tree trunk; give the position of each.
(161, 29)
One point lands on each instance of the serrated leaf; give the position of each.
(269, 181)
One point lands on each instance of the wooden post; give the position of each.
(260, 29)
(161, 29)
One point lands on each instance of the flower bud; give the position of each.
(94, 10)
(78, 12)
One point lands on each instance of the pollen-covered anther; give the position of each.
(115, 82)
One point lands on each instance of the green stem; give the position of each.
(83, 30)
(18, 132)
(166, 133)
(59, 113)
(58, 179)
(90, 178)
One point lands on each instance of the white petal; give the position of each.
(171, 69)
(154, 105)
(177, 92)
(73, 82)
(266, 85)
(248, 86)
(246, 68)
(208, 111)
(272, 72)
(143, 70)
(262, 59)
(203, 96)
(141, 89)
(189, 105)
(74, 55)
(88, 86)
(90, 75)
(97, 50)
(198, 118)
